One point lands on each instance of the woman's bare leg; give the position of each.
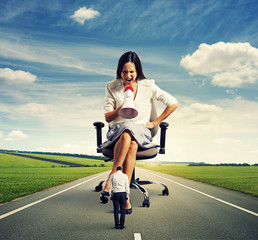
(130, 160)
(120, 151)
(129, 165)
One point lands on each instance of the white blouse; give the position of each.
(147, 93)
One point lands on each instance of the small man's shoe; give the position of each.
(122, 227)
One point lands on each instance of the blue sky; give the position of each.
(57, 56)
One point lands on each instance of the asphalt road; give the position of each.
(73, 211)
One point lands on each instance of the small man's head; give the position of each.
(119, 168)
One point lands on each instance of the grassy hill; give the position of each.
(20, 176)
(239, 178)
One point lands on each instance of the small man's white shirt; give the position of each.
(119, 183)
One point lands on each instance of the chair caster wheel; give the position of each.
(165, 192)
(98, 188)
(146, 203)
(104, 199)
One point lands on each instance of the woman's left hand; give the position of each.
(150, 125)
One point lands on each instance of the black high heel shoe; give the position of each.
(104, 197)
(128, 211)
(104, 193)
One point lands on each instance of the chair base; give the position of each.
(136, 184)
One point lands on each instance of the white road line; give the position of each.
(207, 195)
(43, 199)
(137, 236)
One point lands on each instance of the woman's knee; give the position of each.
(126, 136)
(133, 147)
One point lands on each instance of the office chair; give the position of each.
(141, 155)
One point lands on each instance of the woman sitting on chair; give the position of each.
(126, 135)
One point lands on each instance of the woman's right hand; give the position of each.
(112, 115)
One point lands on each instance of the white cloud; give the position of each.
(228, 64)
(36, 109)
(29, 112)
(254, 152)
(209, 132)
(236, 77)
(81, 147)
(230, 91)
(10, 76)
(250, 116)
(199, 115)
(68, 57)
(69, 148)
(83, 14)
(226, 141)
(222, 131)
(74, 111)
(1, 134)
(16, 135)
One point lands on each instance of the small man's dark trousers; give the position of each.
(119, 200)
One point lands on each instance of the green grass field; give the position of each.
(83, 161)
(20, 176)
(10, 161)
(243, 179)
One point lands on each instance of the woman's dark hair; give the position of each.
(130, 57)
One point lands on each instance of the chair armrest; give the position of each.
(163, 126)
(98, 127)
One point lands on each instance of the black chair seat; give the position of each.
(141, 153)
